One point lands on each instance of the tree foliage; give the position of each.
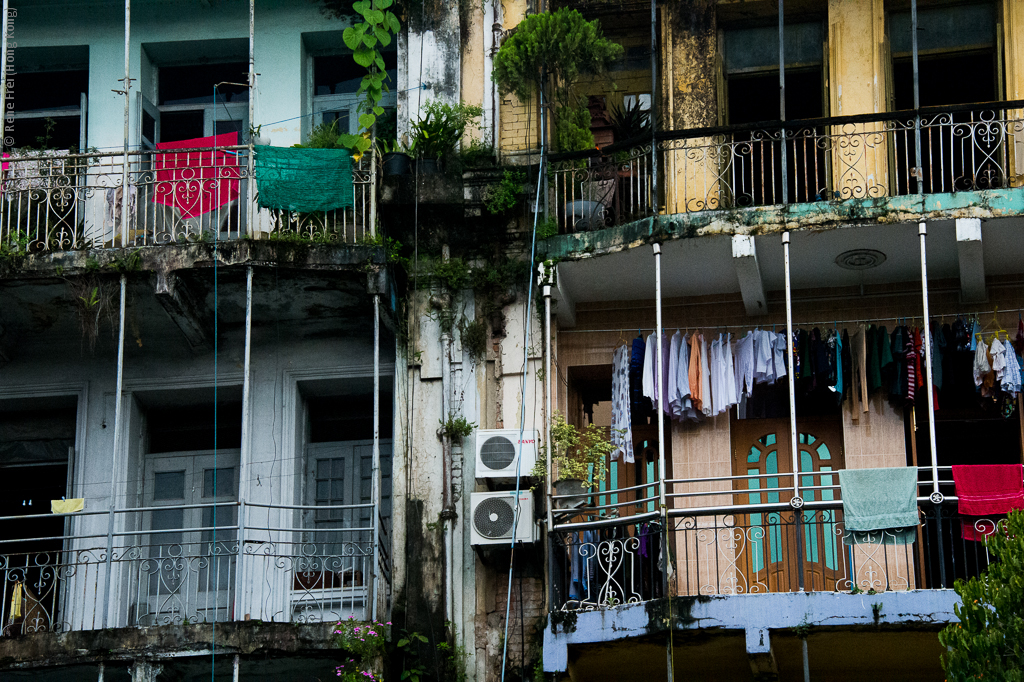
(365, 38)
(564, 46)
(988, 642)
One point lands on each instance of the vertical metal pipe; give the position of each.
(234, 669)
(113, 455)
(660, 391)
(789, 364)
(807, 661)
(376, 482)
(127, 114)
(250, 212)
(654, 92)
(246, 451)
(102, 667)
(547, 391)
(918, 170)
(782, 103)
(922, 231)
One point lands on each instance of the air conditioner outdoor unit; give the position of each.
(497, 450)
(492, 518)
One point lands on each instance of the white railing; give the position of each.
(128, 568)
(54, 201)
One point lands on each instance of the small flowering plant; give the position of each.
(364, 643)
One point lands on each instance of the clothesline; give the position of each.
(764, 325)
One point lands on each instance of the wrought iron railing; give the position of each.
(126, 568)
(609, 553)
(969, 147)
(52, 201)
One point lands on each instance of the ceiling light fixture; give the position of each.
(860, 259)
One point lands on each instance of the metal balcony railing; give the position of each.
(53, 201)
(129, 568)
(968, 147)
(725, 538)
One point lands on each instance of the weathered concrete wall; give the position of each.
(694, 74)
(433, 64)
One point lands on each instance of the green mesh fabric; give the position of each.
(303, 180)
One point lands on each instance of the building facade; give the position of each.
(278, 419)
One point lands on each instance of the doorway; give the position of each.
(780, 542)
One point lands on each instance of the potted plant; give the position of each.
(395, 158)
(551, 51)
(578, 456)
(439, 131)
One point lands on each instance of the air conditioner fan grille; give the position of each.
(494, 517)
(497, 453)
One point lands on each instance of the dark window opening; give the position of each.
(194, 84)
(183, 429)
(756, 172)
(49, 90)
(181, 125)
(339, 74)
(945, 79)
(349, 417)
(51, 132)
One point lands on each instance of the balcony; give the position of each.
(867, 159)
(608, 549)
(149, 567)
(56, 201)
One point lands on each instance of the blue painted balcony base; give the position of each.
(755, 615)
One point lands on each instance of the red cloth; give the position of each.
(197, 182)
(986, 490)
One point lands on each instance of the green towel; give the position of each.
(879, 505)
(303, 180)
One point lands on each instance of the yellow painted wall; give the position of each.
(1013, 59)
(857, 75)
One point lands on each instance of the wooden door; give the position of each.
(780, 541)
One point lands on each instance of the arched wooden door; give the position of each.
(762, 452)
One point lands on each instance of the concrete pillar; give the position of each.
(857, 85)
(145, 671)
(691, 62)
(1013, 60)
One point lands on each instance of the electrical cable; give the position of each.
(216, 256)
(522, 388)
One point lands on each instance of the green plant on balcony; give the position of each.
(552, 51)
(504, 194)
(440, 128)
(578, 456)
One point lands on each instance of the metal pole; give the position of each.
(234, 669)
(547, 392)
(243, 464)
(922, 231)
(127, 114)
(100, 677)
(251, 191)
(782, 104)
(792, 376)
(113, 455)
(807, 660)
(918, 170)
(654, 91)
(662, 394)
(376, 483)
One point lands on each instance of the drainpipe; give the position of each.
(113, 456)
(376, 482)
(251, 192)
(546, 275)
(448, 513)
(659, 381)
(489, 51)
(796, 502)
(496, 30)
(922, 231)
(243, 463)
(127, 112)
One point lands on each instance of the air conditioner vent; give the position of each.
(497, 453)
(494, 517)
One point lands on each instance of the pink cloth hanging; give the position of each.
(197, 182)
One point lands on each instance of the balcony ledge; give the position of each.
(47, 649)
(819, 215)
(899, 611)
(171, 257)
